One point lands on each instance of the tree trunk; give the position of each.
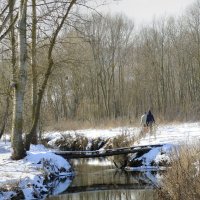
(19, 89)
(33, 66)
(5, 117)
(46, 78)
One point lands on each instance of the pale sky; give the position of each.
(143, 11)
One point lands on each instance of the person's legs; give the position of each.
(150, 128)
(154, 131)
(143, 131)
(145, 128)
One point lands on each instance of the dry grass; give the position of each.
(182, 180)
(126, 139)
(64, 125)
(67, 125)
(80, 124)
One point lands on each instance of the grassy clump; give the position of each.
(182, 180)
(126, 139)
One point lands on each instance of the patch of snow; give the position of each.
(174, 134)
(53, 140)
(32, 186)
(28, 173)
(95, 133)
(38, 160)
(89, 145)
(7, 195)
(162, 158)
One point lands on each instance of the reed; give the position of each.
(182, 180)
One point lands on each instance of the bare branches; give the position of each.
(4, 30)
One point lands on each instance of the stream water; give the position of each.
(100, 180)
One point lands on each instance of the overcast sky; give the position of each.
(143, 11)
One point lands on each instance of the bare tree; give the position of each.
(34, 65)
(19, 87)
(5, 15)
(47, 74)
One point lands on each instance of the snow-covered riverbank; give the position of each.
(168, 136)
(30, 174)
(170, 133)
(32, 177)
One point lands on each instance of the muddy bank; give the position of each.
(155, 157)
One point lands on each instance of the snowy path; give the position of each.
(186, 133)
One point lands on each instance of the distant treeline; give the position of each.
(105, 68)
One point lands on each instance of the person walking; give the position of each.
(150, 121)
(143, 124)
(144, 120)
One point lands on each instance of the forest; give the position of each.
(60, 64)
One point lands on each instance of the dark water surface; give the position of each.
(99, 180)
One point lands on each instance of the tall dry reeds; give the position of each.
(64, 125)
(182, 180)
(125, 139)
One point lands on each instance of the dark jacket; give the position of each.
(150, 118)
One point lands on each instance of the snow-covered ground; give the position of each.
(168, 135)
(28, 174)
(185, 133)
(171, 133)
(28, 171)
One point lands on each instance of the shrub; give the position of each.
(182, 180)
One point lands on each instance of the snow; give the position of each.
(93, 133)
(39, 160)
(28, 173)
(171, 133)
(186, 133)
(37, 157)
(169, 136)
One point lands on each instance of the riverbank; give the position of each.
(168, 136)
(33, 176)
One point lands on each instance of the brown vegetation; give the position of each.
(123, 140)
(63, 125)
(182, 179)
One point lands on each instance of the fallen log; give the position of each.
(105, 152)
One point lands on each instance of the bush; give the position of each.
(182, 180)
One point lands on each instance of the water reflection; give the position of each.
(59, 185)
(94, 181)
(108, 195)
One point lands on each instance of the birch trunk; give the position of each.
(19, 89)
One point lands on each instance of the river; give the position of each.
(100, 180)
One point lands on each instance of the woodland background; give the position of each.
(105, 69)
